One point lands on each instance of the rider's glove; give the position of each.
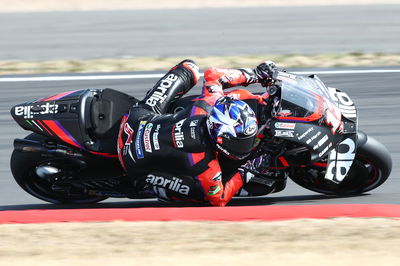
(256, 166)
(266, 72)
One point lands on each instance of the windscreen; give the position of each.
(304, 97)
(297, 102)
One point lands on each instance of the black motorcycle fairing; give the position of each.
(63, 106)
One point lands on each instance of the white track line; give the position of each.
(150, 76)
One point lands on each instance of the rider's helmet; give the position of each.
(232, 126)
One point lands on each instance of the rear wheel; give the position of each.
(24, 169)
(371, 168)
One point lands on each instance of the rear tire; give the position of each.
(23, 168)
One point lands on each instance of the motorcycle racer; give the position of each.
(188, 142)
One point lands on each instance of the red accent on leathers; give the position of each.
(120, 142)
(194, 69)
(217, 79)
(242, 94)
(214, 189)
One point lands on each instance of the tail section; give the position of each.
(85, 119)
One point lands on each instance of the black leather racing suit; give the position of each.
(171, 154)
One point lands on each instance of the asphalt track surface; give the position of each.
(376, 95)
(203, 32)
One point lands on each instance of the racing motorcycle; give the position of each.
(309, 132)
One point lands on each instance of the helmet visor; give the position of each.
(239, 145)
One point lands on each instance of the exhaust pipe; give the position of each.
(25, 145)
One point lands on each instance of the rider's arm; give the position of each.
(215, 191)
(218, 79)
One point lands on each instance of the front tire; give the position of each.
(23, 167)
(371, 168)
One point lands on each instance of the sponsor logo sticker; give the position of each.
(222, 149)
(214, 190)
(325, 150)
(308, 131)
(250, 130)
(138, 141)
(313, 137)
(146, 137)
(282, 125)
(284, 133)
(193, 132)
(155, 138)
(194, 123)
(321, 142)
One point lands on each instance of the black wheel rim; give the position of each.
(42, 188)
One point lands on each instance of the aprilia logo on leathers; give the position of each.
(175, 184)
(177, 134)
(160, 92)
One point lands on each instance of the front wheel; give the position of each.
(23, 168)
(371, 168)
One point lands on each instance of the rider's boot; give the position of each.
(179, 80)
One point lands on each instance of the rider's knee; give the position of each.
(188, 69)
